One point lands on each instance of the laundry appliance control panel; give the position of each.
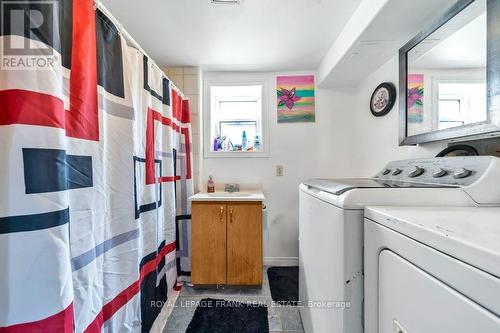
(459, 171)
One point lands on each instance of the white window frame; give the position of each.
(234, 80)
(436, 80)
(258, 118)
(461, 101)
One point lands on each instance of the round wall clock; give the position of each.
(383, 99)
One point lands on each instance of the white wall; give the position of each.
(187, 79)
(345, 141)
(375, 139)
(305, 150)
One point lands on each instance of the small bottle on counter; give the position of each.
(210, 184)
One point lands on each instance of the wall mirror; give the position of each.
(448, 73)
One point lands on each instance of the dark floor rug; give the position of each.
(284, 283)
(221, 316)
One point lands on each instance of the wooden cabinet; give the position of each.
(244, 244)
(226, 246)
(208, 243)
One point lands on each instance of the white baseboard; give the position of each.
(281, 261)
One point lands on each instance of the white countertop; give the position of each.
(471, 234)
(243, 195)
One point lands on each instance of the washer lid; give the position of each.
(342, 185)
(470, 234)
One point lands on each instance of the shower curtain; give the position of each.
(95, 172)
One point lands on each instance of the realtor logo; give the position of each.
(30, 33)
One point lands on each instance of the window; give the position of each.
(235, 122)
(460, 102)
(449, 113)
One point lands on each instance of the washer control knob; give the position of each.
(415, 172)
(439, 173)
(461, 173)
(386, 171)
(397, 172)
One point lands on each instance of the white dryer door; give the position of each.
(412, 301)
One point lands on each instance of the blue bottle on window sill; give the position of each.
(244, 141)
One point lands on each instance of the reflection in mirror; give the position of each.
(447, 74)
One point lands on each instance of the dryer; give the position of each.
(432, 269)
(331, 227)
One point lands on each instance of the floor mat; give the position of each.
(221, 316)
(284, 283)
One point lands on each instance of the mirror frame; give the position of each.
(488, 128)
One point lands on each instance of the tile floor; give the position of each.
(281, 318)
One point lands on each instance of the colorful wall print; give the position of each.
(295, 98)
(415, 98)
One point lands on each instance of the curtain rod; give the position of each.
(98, 4)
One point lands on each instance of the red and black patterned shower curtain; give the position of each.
(95, 172)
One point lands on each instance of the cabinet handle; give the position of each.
(221, 214)
(230, 215)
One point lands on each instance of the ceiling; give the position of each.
(258, 35)
(375, 37)
(459, 43)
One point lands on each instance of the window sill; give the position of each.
(236, 154)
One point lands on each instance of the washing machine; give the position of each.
(331, 213)
(432, 269)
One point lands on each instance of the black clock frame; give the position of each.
(392, 99)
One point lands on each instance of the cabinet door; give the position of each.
(208, 243)
(244, 243)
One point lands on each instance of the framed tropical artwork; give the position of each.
(295, 98)
(415, 98)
